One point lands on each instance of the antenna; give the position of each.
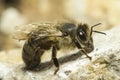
(95, 30)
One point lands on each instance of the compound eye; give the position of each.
(82, 36)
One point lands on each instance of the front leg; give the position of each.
(90, 58)
(79, 47)
(55, 60)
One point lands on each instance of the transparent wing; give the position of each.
(37, 30)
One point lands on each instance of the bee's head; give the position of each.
(84, 38)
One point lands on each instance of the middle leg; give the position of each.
(54, 59)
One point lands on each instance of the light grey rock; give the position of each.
(4, 70)
(105, 63)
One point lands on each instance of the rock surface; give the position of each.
(105, 63)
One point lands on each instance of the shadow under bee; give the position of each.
(46, 65)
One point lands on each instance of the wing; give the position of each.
(37, 30)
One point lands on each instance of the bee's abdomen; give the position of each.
(30, 55)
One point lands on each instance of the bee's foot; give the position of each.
(56, 70)
(90, 58)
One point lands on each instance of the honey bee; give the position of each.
(45, 36)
